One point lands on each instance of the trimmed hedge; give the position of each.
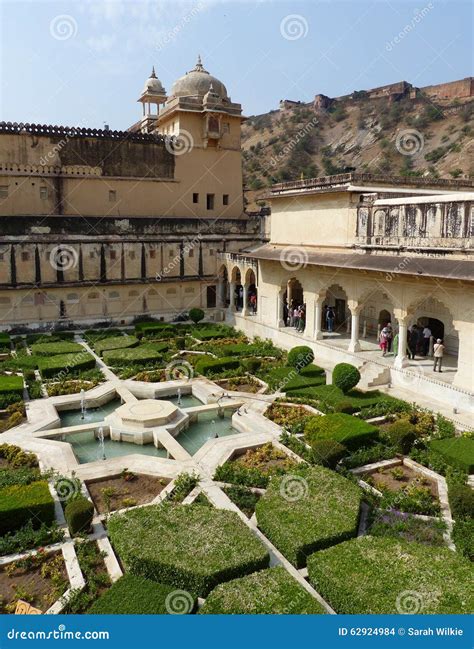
(196, 315)
(22, 503)
(328, 452)
(345, 429)
(268, 592)
(461, 501)
(79, 513)
(52, 349)
(191, 547)
(326, 513)
(11, 384)
(53, 365)
(299, 357)
(370, 575)
(135, 355)
(211, 333)
(215, 365)
(345, 376)
(456, 451)
(115, 342)
(288, 379)
(132, 595)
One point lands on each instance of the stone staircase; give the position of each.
(373, 375)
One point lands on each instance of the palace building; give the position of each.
(376, 250)
(105, 226)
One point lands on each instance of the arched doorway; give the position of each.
(293, 300)
(237, 298)
(335, 314)
(250, 293)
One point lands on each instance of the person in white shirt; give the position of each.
(438, 351)
(426, 340)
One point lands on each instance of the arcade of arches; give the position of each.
(358, 308)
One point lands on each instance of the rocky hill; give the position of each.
(404, 137)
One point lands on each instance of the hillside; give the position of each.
(405, 137)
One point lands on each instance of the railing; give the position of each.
(340, 179)
(74, 131)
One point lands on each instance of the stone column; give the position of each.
(318, 314)
(280, 311)
(310, 308)
(245, 305)
(463, 377)
(220, 301)
(401, 358)
(232, 296)
(354, 345)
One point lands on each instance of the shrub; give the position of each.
(19, 475)
(300, 356)
(52, 349)
(54, 365)
(401, 435)
(28, 537)
(115, 342)
(456, 451)
(135, 355)
(251, 365)
(17, 457)
(390, 567)
(407, 527)
(288, 379)
(463, 537)
(216, 365)
(328, 452)
(21, 503)
(326, 512)
(345, 429)
(461, 501)
(344, 405)
(180, 342)
(244, 498)
(196, 315)
(79, 513)
(368, 455)
(345, 376)
(132, 595)
(199, 547)
(272, 592)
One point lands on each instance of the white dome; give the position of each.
(153, 85)
(197, 83)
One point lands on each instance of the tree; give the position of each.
(196, 315)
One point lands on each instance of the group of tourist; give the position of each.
(295, 316)
(239, 299)
(418, 343)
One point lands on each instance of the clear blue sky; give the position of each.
(84, 62)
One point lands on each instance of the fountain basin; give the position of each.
(147, 413)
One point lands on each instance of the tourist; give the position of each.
(426, 340)
(302, 318)
(296, 318)
(383, 341)
(389, 329)
(253, 303)
(330, 319)
(419, 340)
(438, 351)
